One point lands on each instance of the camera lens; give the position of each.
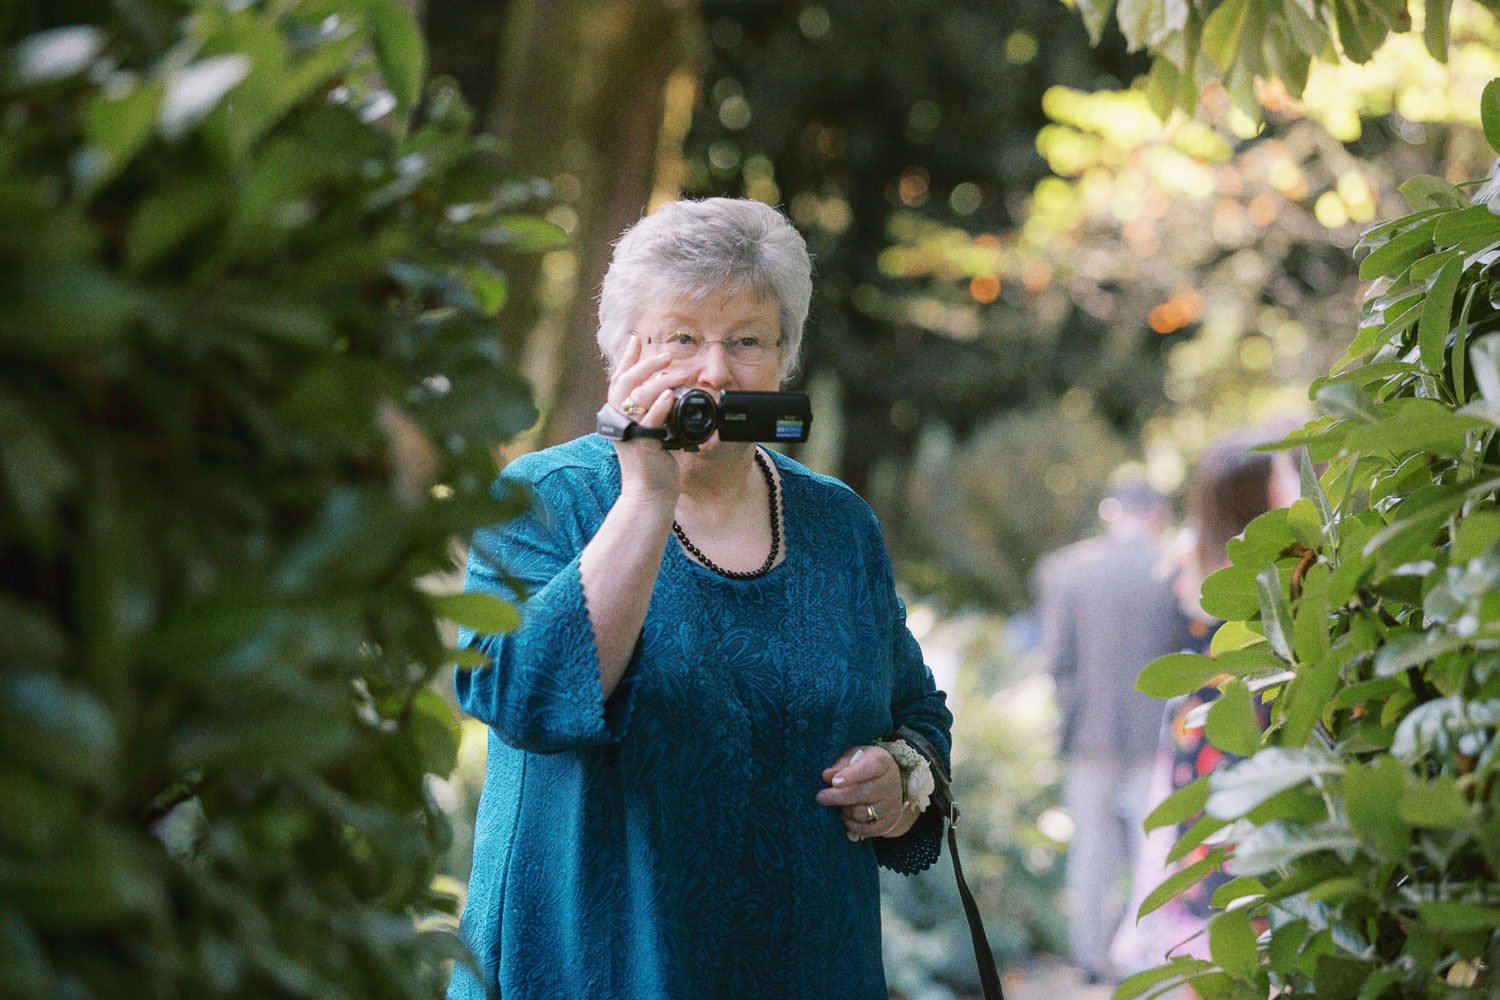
(694, 417)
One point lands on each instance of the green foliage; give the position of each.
(1370, 611)
(1241, 43)
(248, 387)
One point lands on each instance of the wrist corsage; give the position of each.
(917, 784)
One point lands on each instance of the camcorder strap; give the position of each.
(942, 798)
(611, 423)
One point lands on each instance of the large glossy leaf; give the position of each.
(1484, 360)
(1307, 697)
(1378, 234)
(1235, 790)
(1275, 612)
(1399, 252)
(1304, 524)
(104, 877)
(481, 612)
(1161, 980)
(1426, 191)
(1232, 725)
(58, 729)
(1310, 639)
(53, 310)
(1182, 804)
(1223, 30)
(1435, 31)
(1276, 845)
(1468, 223)
(1436, 804)
(1437, 315)
(1406, 650)
(1095, 15)
(1489, 113)
(1243, 887)
(1476, 533)
(1360, 29)
(164, 220)
(1458, 916)
(1369, 790)
(1408, 425)
(1177, 674)
(1417, 521)
(1202, 830)
(399, 46)
(118, 124)
(1351, 402)
(35, 471)
(192, 91)
(1232, 592)
(1180, 880)
(1231, 941)
(1443, 724)
(434, 732)
(48, 56)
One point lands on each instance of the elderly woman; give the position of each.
(685, 797)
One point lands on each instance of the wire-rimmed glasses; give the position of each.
(741, 349)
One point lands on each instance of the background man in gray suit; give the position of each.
(1106, 609)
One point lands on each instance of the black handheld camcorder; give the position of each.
(736, 416)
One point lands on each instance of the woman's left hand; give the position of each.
(864, 784)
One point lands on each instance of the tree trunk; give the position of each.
(580, 105)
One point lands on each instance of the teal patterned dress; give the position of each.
(665, 842)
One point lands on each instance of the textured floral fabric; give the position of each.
(665, 843)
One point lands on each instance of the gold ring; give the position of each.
(632, 408)
(871, 816)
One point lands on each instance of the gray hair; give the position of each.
(691, 249)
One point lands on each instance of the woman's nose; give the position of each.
(713, 364)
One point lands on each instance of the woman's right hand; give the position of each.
(648, 473)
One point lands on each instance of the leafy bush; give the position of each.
(1363, 827)
(248, 387)
(1243, 42)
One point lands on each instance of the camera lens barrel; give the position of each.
(693, 418)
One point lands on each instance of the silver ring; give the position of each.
(871, 816)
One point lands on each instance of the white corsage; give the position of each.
(917, 784)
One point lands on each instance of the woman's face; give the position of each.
(721, 341)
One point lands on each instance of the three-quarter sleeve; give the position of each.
(915, 702)
(540, 687)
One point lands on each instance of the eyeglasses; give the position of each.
(743, 349)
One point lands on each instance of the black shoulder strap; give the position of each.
(942, 799)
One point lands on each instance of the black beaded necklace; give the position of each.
(765, 567)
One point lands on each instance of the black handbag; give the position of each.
(942, 799)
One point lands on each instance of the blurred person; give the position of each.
(1231, 486)
(1106, 609)
(690, 779)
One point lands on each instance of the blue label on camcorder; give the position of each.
(788, 429)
